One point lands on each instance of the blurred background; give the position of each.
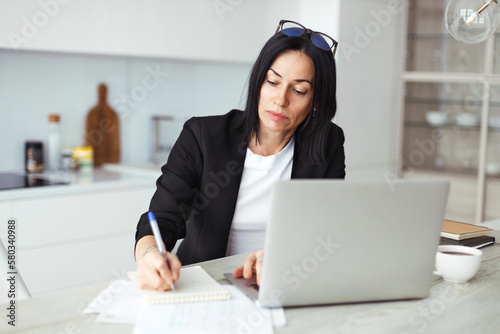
(53, 55)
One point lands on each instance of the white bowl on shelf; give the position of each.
(466, 119)
(493, 168)
(494, 121)
(436, 118)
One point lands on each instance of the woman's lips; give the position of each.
(276, 116)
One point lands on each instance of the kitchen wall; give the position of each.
(370, 56)
(35, 84)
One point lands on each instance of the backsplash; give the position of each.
(36, 84)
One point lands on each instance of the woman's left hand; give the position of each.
(252, 264)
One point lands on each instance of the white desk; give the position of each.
(473, 307)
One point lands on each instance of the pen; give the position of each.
(159, 240)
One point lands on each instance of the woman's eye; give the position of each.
(300, 92)
(272, 83)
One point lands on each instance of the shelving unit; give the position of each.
(444, 75)
(450, 126)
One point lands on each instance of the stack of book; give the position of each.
(458, 233)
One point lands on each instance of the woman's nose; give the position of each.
(281, 98)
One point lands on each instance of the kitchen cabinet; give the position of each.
(82, 234)
(5, 215)
(451, 113)
(5, 212)
(47, 221)
(52, 268)
(194, 29)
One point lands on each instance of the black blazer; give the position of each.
(196, 194)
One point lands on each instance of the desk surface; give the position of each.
(473, 307)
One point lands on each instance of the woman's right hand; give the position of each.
(153, 273)
(252, 264)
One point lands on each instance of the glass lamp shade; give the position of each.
(468, 26)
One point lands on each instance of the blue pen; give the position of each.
(159, 240)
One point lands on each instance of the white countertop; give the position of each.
(107, 177)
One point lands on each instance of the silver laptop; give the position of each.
(335, 241)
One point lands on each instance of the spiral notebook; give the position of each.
(458, 230)
(194, 285)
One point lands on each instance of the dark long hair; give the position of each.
(312, 133)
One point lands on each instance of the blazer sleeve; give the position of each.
(335, 153)
(171, 202)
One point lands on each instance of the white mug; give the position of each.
(457, 264)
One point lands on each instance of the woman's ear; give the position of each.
(314, 110)
(315, 106)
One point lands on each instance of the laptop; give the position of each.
(336, 241)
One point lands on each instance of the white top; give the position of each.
(252, 206)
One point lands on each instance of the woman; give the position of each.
(213, 189)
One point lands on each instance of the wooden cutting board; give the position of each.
(103, 130)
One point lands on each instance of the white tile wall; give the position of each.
(35, 84)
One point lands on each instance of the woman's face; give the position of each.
(287, 93)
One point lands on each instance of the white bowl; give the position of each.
(467, 120)
(436, 118)
(492, 168)
(494, 121)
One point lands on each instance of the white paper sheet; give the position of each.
(237, 315)
(278, 316)
(121, 302)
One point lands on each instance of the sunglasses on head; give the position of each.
(320, 40)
